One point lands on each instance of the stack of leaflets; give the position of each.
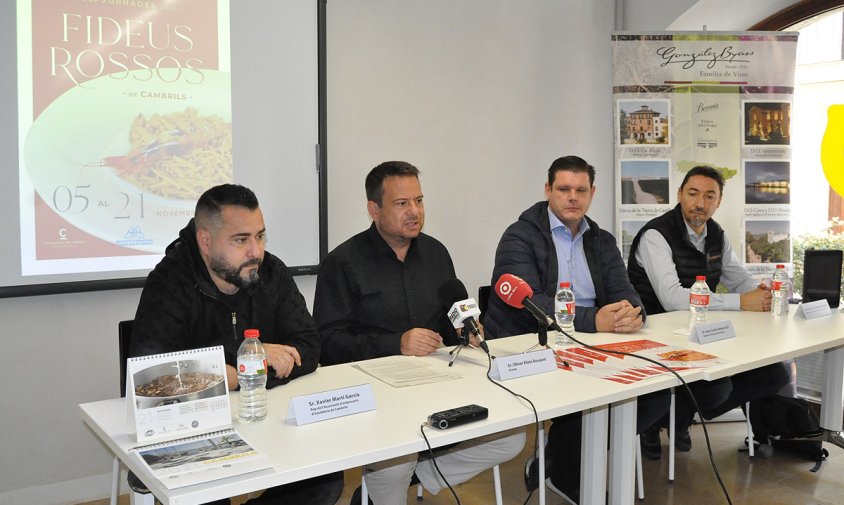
(628, 369)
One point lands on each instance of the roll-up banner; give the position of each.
(707, 98)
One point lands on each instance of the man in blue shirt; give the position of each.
(555, 241)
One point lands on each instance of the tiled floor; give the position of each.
(782, 479)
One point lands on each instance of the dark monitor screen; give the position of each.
(822, 276)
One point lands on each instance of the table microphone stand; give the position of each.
(542, 332)
(455, 351)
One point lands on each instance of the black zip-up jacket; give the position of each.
(527, 250)
(182, 309)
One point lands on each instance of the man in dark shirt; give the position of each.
(376, 296)
(216, 280)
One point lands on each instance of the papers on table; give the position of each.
(403, 371)
(628, 369)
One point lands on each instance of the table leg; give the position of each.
(832, 404)
(593, 456)
(541, 451)
(622, 453)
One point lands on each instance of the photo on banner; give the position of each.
(720, 99)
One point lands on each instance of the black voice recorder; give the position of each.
(457, 416)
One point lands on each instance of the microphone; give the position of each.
(463, 310)
(515, 292)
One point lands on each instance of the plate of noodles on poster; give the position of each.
(118, 154)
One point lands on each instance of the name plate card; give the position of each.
(331, 404)
(521, 365)
(811, 310)
(712, 332)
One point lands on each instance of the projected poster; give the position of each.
(717, 99)
(124, 120)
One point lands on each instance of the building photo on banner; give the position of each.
(711, 98)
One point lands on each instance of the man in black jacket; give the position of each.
(590, 260)
(214, 282)
(553, 241)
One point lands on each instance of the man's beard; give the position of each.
(232, 275)
(697, 220)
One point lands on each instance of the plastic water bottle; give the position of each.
(252, 377)
(698, 302)
(779, 292)
(564, 313)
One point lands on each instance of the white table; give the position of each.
(762, 340)
(301, 452)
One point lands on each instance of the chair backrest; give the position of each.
(124, 333)
(822, 275)
(483, 300)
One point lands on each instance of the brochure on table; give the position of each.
(628, 369)
(181, 401)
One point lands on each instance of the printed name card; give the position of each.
(811, 310)
(712, 332)
(521, 365)
(330, 404)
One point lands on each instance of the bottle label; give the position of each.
(570, 307)
(699, 300)
(776, 285)
(252, 366)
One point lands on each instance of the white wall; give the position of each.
(480, 94)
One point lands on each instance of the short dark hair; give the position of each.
(571, 164)
(211, 203)
(375, 179)
(705, 171)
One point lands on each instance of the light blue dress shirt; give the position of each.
(571, 260)
(654, 255)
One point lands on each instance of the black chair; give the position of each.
(142, 494)
(483, 300)
(822, 276)
(124, 335)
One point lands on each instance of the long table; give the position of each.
(300, 452)
(762, 339)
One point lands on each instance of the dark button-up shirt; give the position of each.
(366, 298)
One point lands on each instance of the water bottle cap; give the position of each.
(780, 266)
(565, 284)
(700, 278)
(251, 333)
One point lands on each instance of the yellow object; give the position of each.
(832, 149)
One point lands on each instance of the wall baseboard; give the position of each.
(68, 492)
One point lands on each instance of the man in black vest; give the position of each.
(666, 255)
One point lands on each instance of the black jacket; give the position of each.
(527, 250)
(181, 309)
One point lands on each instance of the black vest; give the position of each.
(689, 261)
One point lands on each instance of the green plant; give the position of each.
(828, 238)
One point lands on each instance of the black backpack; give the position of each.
(790, 424)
